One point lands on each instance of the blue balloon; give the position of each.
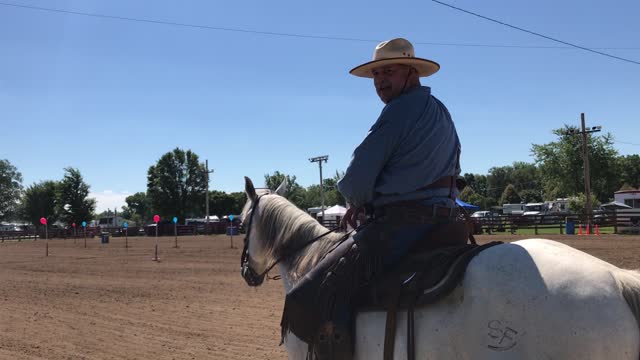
(175, 219)
(231, 217)
(84, 224)
(125, 225)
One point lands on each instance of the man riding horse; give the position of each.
(407, 164)
(403, 177)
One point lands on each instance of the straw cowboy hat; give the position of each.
(396, 51)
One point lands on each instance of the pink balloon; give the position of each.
(74, 224)
(43, 221)
(156, 218)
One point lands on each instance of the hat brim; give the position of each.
(423, 66)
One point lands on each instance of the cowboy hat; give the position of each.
(396, 51)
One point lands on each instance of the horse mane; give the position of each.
(286, 229)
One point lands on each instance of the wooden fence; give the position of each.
(620, 222)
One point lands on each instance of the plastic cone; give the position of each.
(580, 229)
(597, 230)
(587, 230)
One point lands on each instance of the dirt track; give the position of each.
(108, 302)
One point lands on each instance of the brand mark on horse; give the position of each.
(502, 337)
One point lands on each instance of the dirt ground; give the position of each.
(109, 302)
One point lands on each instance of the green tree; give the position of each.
(40, 200)
(498, 179)
(526, 176)
(176, 185)
(577, 204)
(510, 195)
(74, 204)
(295, 193)
(561, 166)
(530, 196)
(629, 167)
(10, 189)
(137, 204)
(466, 193)
(221, 203)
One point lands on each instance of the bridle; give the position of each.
(250, 275)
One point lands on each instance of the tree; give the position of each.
(466, 193)
(221, 203)
(137, 207)
(577, 204)
(10, 189)
(40, 200)
(74, 204)
(629, 167)
(510, 195)
(176, 185)
(530, 196)
(295, 193)
(497, 180)
(561, 165)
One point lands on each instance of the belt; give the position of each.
(414, 212)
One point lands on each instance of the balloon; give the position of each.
(125, 225)
(156, 218)
(73, 224)
(43, 221)
(231, 217)
(175, 220)
(84, 224)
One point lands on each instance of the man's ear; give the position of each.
(282, 189)
(250, 189)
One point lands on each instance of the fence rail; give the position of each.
(572, 223)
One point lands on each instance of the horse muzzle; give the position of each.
(250, 276)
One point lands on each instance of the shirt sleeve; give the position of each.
(369, 158)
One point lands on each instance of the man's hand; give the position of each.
(351, 216)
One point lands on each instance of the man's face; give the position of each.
(390, 81)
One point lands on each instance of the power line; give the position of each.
(281, 34)
(538, 34)
(627, 143)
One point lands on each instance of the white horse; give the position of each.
(531, 299)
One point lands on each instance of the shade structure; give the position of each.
(466, 206)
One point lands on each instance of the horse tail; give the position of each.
(629, 284)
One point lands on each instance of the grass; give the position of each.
(553, 230)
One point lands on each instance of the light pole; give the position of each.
(319, 160)
(585, 160)
(207, 172)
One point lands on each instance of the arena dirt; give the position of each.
(109, 302)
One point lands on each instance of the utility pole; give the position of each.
(207, 172)
(585, 160)
(319, 160)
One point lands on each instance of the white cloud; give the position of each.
(109, 199)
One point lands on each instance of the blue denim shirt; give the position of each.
(412, 144)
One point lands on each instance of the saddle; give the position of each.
(321, 308)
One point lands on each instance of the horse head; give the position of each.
(255, 255)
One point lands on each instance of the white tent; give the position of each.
(333, 213)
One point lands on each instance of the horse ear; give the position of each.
(282, 189)
(249, 189)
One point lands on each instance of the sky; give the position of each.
(111, 96)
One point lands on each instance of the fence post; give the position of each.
(561, 225)
(615, 221)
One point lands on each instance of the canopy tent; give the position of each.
(466, 206)
(615, 205)
(336, 210)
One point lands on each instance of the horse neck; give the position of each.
(287, 229)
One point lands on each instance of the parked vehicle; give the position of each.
(513, 209)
